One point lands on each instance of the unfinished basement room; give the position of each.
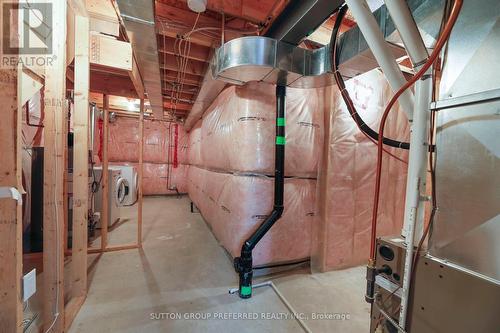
(248, 166)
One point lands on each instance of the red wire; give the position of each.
(457, 5)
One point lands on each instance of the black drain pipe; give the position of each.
(243, 264)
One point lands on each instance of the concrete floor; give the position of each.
(182, 271)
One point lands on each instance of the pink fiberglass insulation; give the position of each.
(159, 150)
(158, 135)
(155, 180)
(123, 143)
(238, 131)
(235, 205)
(348, 176)
(183, 144)
(194, 145)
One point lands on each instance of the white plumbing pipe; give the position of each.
(375, 39)
(408, 31)
(417, 164)
(415, 190)
(412, 40)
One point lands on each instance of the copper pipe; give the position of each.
(457, 5)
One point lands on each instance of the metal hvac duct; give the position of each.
(466, 230)
(139, 20)
(262, 59)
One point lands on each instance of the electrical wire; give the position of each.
(362, 125)
(58, 241)
(443, 38)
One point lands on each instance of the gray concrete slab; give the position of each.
(182, 271)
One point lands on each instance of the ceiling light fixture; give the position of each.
(198, 6)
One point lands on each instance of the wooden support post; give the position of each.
(140, 172)
(80, 158)
(53, 214)
(105, 180)
(11, 251)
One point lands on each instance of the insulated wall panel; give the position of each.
(347, 177)
(155, 178)
(158, 137)
(235, 205)
(161, 174)
(238, 131)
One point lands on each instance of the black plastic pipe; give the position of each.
(345, 95)
(243, 264)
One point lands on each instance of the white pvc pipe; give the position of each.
(403, 20)
(415, 190)
(375, 39)
(408, 31)
(417, 163)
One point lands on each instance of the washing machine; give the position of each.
(115, 194)
(127, 185)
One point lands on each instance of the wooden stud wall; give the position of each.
(105, 180)
(55, 138)
(11, 252)
(80, 158)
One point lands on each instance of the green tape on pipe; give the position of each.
(280, 121)
(245, 290)
(280, 140)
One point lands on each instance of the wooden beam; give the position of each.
(197, 52)
(140, 173)
(193, 67)
(135, 77)
(114, 248)
(108, 84)
(251, 11)
(11, 250)
(72, 308)
(80, 158)
(179, 106)
(177, 14)
(109, 52)
(53, 189)
(105, 180)
(195, 38)
(194, 80)
(103, 17)
(185, 96)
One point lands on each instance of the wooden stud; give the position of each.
(80, 158)
(72, 308)
(105, 180)
(114, 248)
(140, 173)
(11, 251)
(53, 222)
(194, 67)
(135, 77)
(196, 52)
(179, 106)
(109, 84)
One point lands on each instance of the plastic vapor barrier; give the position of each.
(347, 176)
(165, 152)
(237, 132)
(123, 142)
(234, 205)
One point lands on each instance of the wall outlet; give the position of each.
(29, 285)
